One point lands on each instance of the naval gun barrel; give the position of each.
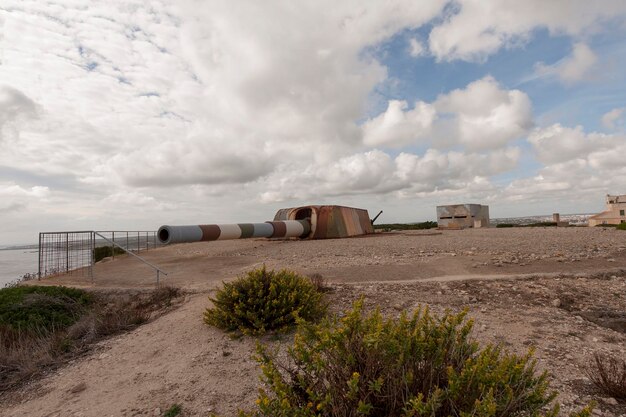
(208, 232)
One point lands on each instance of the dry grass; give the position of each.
(609, 375)
(24, 355)
(319, 282)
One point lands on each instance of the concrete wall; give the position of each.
(462, 216)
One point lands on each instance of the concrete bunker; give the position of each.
(462, 216)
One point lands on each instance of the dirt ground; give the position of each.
(561, 291)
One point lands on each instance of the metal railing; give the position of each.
(135, 241)
(74, 252)
(156, 268)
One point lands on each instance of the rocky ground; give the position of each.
(559, 291)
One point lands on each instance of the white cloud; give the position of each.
(15, 109)
(376, 172)
(17, 199)
(614, 119)
(416, 48)
(556, 143)
(486, 116)
(480, 116)
(475, 29)
(610, 160)
(577, 164)
(188, 94)
(577, 67)
(399, 126)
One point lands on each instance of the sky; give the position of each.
(127, 115)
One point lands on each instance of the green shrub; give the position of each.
(264, 300)
(417, 365)
(173, 411)
(41, 309)
(102, 252)
(503, 225)
(621, 226)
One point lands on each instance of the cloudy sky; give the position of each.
(128, 115)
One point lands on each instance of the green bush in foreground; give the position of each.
(264, 300)
(40, 308)
(417, 365)
(621, 226)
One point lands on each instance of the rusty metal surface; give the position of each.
(328, 222)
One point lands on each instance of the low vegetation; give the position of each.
(43, 326)
(265, 300)
(417, 365)
(620, 226)
(406, 226)
(609, 375)
(37, 309)
(102, 252)
(538, 224)
(173, 411)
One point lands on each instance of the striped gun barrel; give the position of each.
(208, 232)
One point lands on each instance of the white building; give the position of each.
(615, 212)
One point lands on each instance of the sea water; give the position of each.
(15, 263)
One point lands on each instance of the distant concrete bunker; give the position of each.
(306, 222)
(462, 216)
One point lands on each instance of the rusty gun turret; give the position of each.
(314, 222)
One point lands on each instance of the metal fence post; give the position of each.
(67, 252)
(40, 250)
(92, 262)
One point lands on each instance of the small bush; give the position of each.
(318, 282)
(621, 226)
(102, 252)
(609, 375)
(173, 411)
(264, 300)
(503, 225)
(41, 309)
(417, 365)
